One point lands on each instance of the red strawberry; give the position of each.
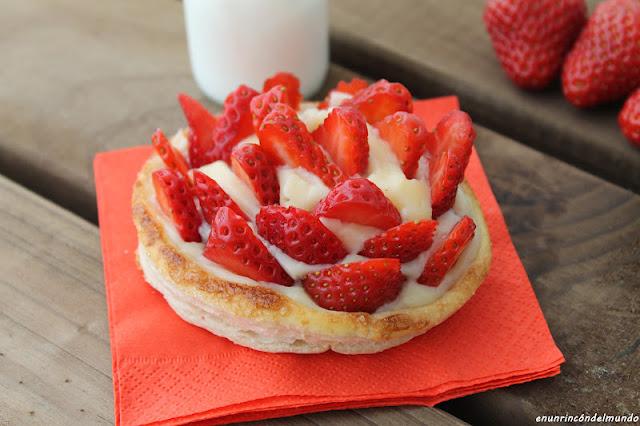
(629, 118)
(251, 164)
(381, 99)
(212, 197)
(344, 135)
(176, 201)
(286, 140)
(233, 245)
(234, 125)
(604, 63)
(531, 38)
(407, 136)
(449, 149)
(262, 104)
(202, 128)
(352, 87)
(289, 81)
(172, 158)
(404, 242)
(443, 259)
(358, 200)
(356, 287)
(299, 234)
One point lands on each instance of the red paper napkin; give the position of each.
(166, 371)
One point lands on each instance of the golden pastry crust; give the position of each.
(259, 317)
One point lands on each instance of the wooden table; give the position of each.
(441, 47)
(91, 76)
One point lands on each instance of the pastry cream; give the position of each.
(302, 189)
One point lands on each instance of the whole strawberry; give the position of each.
(531, 37)
(629, 118)
(604, 63)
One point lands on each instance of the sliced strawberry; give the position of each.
(443, 259)
(233, 245)
(176, 201)
(356, 287)
(286, 140)
(234, 125)
(289, 81)
(358, 200)
(212, 197)
(444, 177)
(344, 136)
(351, 87)
(262, 104)
(449, 149)
(172, 158)
(251, 164)
(299, 234)
(454, 133)
(407, 135)
(404, 242)
(202, 128)
(381, 99)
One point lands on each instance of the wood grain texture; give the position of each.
(86, 77)
(441, 47)
(579, 239)
(92, 76)
(55, 363)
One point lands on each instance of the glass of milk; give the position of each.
(233, 42)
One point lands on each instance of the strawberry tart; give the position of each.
(290, 226)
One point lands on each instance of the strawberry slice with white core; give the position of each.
(449, 149)
(344, 87)
(404, 242)
(356, 287)
(299, 234)
(233, 245)
(234, 124)
(358, 200)
(176, 201)
(290, 82)
(407, 135)
(286, 140)
(250, 163)
(212, 197)
(344, 136)
(446, 256)
(171, 157)
(202, 126)
(381, 99)
(262, 104)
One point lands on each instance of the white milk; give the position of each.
(233, 42)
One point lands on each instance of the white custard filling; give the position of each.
(300, 188)
(233, 186)
(304, 190)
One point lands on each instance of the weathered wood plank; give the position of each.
(579, 239)
(55, 364)
(110, 78)
(84, 77)
(578, 236)
(441, 47)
